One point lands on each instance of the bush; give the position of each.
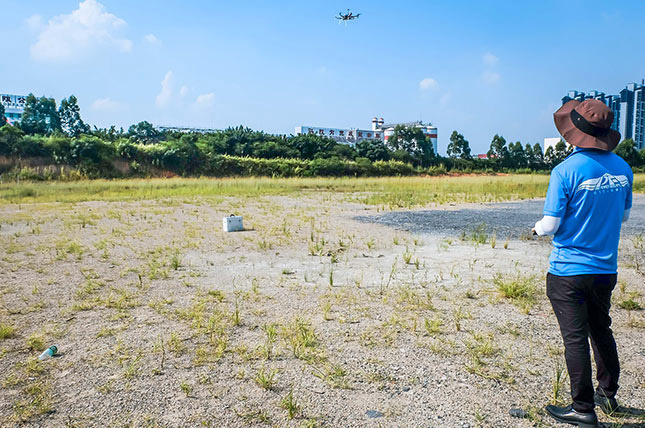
(92, 156)
(10, 136)
(127, 150)
(60, 148)
(393, 168)
(183, 156)
(331, 167)
(32, 146)
(225, 166)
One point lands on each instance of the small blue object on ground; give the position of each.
(48, 353)
(374, 414)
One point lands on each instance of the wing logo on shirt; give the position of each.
(606, 182)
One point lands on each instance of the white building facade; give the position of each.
(552, 141)
(349, 136)
(380, 131)
(14, 106)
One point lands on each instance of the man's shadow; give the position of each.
(629, 413)
(623, 425)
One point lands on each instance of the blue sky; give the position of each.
(479, 67)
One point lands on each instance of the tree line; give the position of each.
(60, 134)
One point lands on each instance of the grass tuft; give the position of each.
(521, 290)
(6, 331)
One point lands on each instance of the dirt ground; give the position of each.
(323, 312)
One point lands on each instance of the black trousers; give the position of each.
(581, 304)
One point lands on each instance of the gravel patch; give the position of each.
(508, 219)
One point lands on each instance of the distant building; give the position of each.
(342, 135)
(380, 131)
(628, 107)
(14, 106)
(185, 129)
(551, 142)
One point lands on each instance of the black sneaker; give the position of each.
(606, 404)
(568, 415)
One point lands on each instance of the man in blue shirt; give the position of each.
(589, 196)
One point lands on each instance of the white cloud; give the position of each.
(490, 59)
(490, 77)
(106, 104)
(206, 100)
(152, 39)
(34, 22)
(83, 31)
(183, 91)
(428, 83)
(165, 96)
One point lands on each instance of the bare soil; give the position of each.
(363, 318)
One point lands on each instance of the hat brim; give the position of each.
(576, 137)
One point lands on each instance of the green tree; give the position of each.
(237, 141)
(556, 154)
(530, 156)
(498, 150)
(70, 118)
(549, 156)
(538, 157)
(342, 151)
(412, 140)
(374, 150)
(517, 155)
(273, 149)
(627, 150)
(144, 132)
(310, 146)
(3, 119)
(111, 134)
(458, 148)
(40, 116)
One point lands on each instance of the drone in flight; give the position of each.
(349, 16)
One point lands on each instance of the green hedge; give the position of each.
(226, 166)
(96, 156)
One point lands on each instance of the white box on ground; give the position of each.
(232, 223)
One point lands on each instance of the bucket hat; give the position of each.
(587, 124)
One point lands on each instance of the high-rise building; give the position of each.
(628, 107)
(14, 106)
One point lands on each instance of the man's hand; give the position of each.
(533, 232)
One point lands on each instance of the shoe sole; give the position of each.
(579, 424)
